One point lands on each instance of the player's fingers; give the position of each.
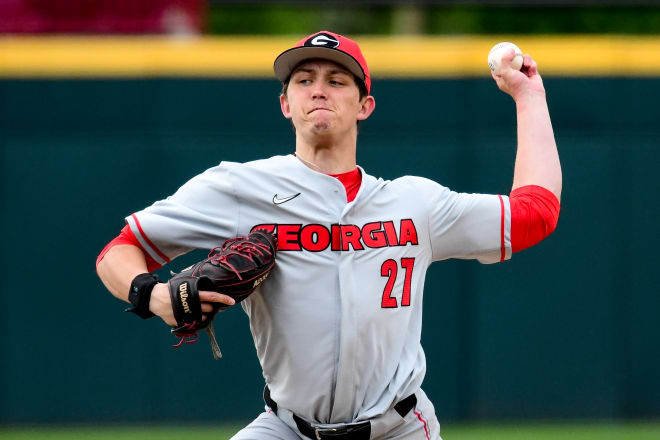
(207, 307)
(206, 296)
(533, 69)
(507, 58)
(528, 62)
(498, 80)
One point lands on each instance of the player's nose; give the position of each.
(319, 92)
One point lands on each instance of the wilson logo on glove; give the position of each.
(235, 269)
(183, 294)
(260, 280)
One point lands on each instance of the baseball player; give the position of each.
(337, 326)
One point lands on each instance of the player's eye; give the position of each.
(304, 81)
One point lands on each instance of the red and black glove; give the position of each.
(235, 269)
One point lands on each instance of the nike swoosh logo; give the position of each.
(279, 201)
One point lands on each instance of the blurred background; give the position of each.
(107, 106)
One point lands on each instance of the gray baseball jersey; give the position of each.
(337, 326)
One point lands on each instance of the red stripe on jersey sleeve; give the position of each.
(502, 215)
(426, 426)
(149, 242)
(534, 215)
(126, 236)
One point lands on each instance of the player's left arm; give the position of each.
(537, 179)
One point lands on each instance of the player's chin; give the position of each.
(321, 126)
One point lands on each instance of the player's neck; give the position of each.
(327, 159)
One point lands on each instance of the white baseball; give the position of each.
(499, 50)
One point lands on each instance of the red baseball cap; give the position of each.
(326, 46)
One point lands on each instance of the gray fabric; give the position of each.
(329, 352)
(266, 427)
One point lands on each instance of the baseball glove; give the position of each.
(235, 269)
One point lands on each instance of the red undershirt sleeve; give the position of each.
(534, 215)
(126, 236)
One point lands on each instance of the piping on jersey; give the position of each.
(426, 429)
(503, 214)
(148, 243)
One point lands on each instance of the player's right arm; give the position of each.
(537, 178)
(537, 160)
(122, 263)
(200, 215)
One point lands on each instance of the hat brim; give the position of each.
(288, 60)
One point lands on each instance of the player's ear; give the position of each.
(284, 105)
(367, 107)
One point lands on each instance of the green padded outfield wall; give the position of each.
(567, 329)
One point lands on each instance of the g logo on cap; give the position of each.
(322, 40)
